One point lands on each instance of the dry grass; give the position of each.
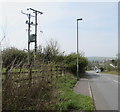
(38, 96)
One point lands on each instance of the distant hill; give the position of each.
(99, 59)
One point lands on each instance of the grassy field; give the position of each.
(70, 100)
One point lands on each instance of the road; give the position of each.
(104, 89)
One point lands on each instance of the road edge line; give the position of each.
(91, 94)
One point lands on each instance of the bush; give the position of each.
(11, 55)
(39, 96)
(71, 63)
(51, 50)
(109, 68)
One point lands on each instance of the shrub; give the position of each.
(39, 96)
(109, 68)
(12, 56)
(71, 63)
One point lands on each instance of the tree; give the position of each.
(51, 50)
(71, 63)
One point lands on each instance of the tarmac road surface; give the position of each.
(104, 89)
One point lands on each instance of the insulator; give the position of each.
(31, 23)
(26, 22)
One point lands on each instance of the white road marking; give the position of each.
(90, 89)
(115, 81)
(110, 79)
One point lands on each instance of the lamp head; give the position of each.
(79, 19)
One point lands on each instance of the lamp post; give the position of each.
(78, 49)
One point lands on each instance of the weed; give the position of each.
(68, 99)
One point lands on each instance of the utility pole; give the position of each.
(32, 37)
(36, 13)
(29, 25)
(35, 31)
(28, 38)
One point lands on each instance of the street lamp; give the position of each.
(77, 49)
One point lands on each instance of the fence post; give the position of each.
(61, 70)
(30, 74)
(57, 71)
(46, 73)
(42, 68)
(51, 73)
(7, 73)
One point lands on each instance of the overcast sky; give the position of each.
(98, 31)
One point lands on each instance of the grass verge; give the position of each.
(111, 72)
(70, 100)
(43, 95)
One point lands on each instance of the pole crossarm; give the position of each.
(36, 11)
(27, 14)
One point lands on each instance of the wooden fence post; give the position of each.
(30, 75)
(57, 71)
(42, 71)
(46, 73)
(61, 70)
(51, 72)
